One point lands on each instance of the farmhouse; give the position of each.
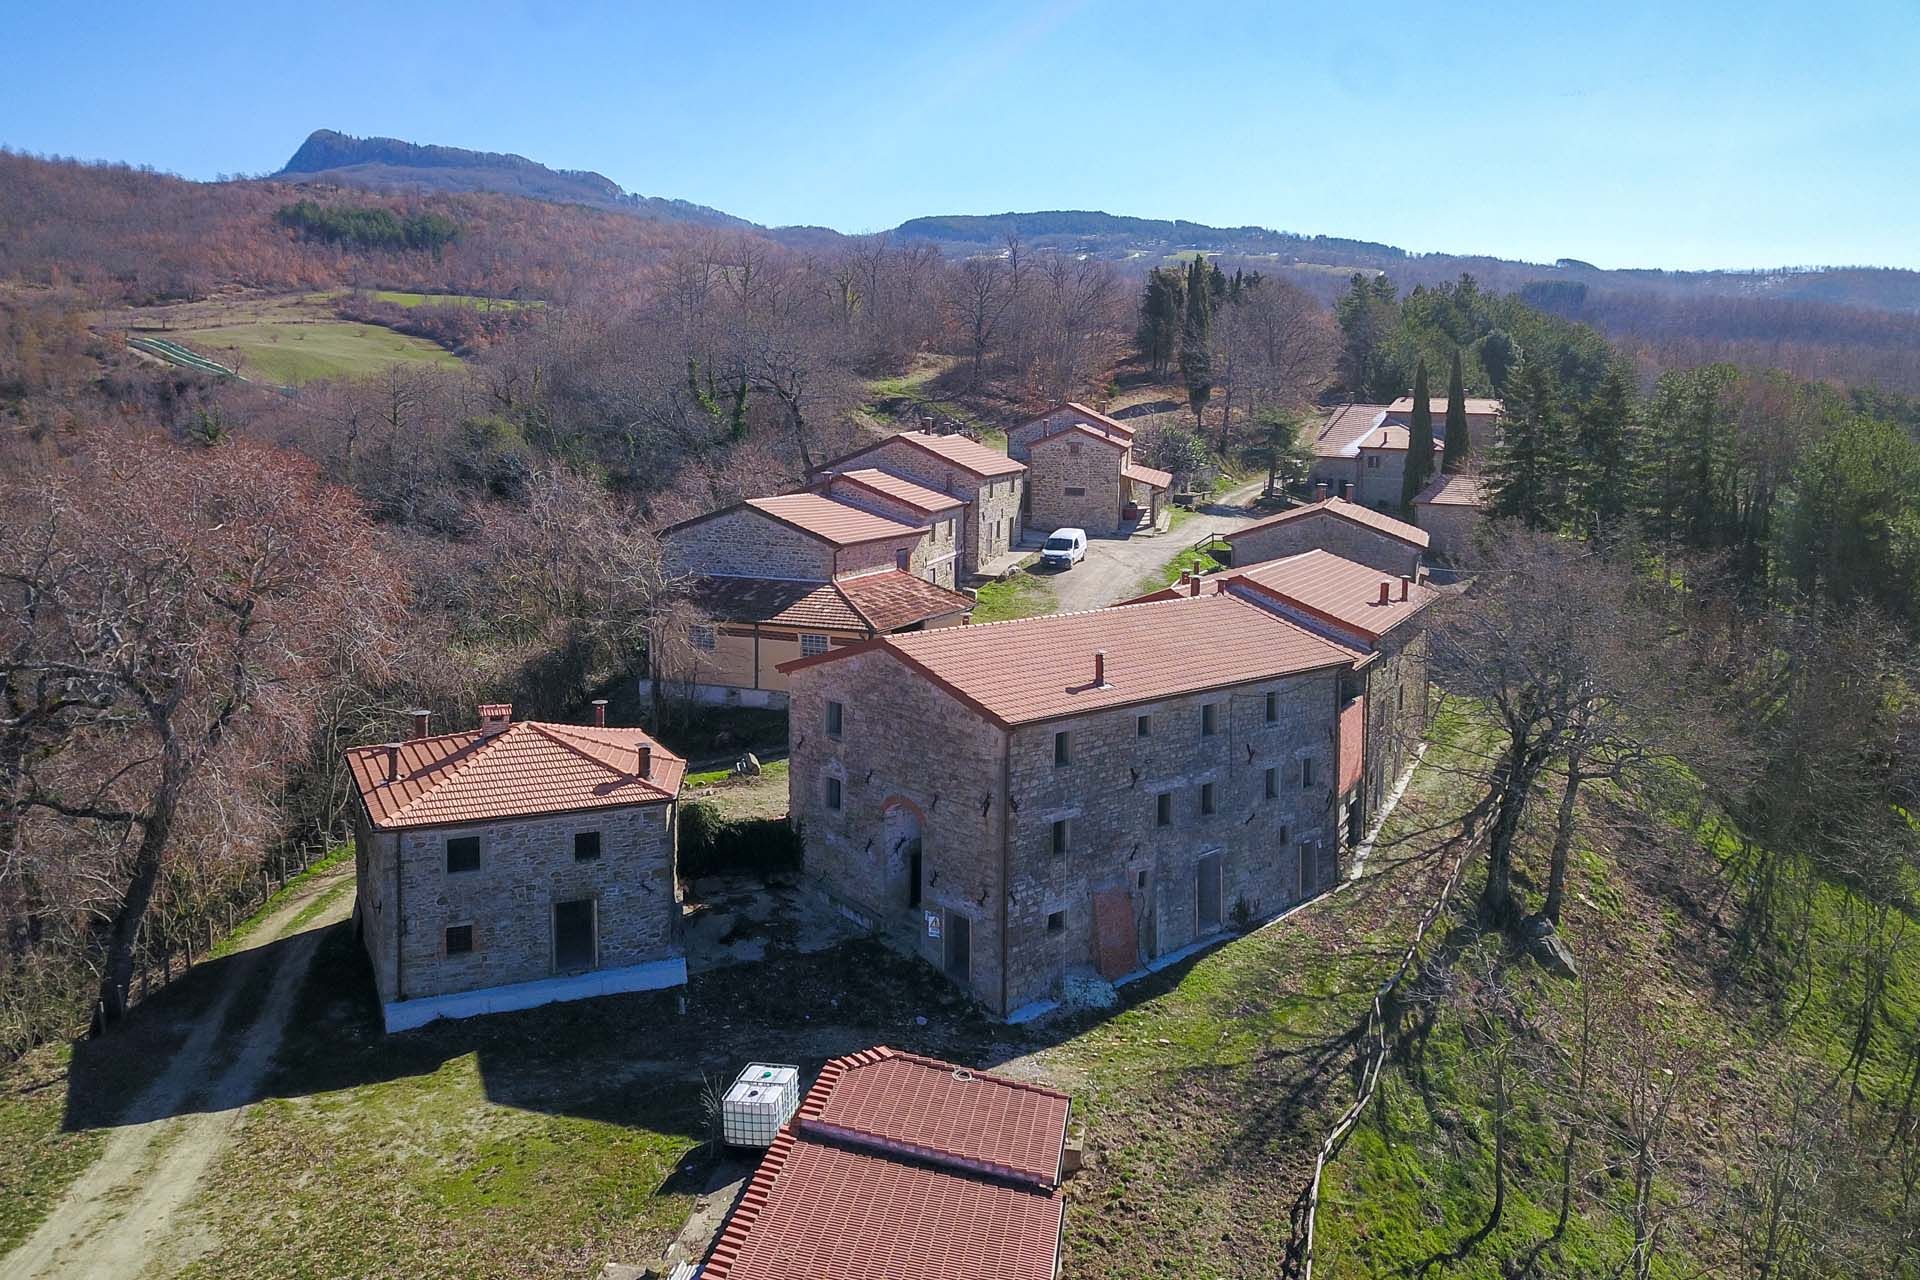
(1024, 800)
(1084, 478)
(1347, 529)
(1482, 413)
(795, 574)
(1020, 439)
(1336, 446)
(909, 1168)
(988, 482)
(1380, 466)
(514, 865)
(1452, 510)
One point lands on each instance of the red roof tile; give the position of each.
(1478, 406)
(1082, 429)
(1112, 424)
(893, 599)
(1458, 490)
(1392, 436)
(1035, 669)
(914, 495)
(1337, 590)
(1341, 432)
(898, 1168)
(524, 769)
(1150, 476)
(968, 455)
(831, 521)
(775, 601)
(1340, 508)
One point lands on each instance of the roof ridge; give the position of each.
(1035, 620)
(545, 730)
(453, 770)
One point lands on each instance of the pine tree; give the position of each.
(1458, 446)
(1161, 309)
(1606, 459)
(1196, 338)
(1528, 473)
(1419, 468)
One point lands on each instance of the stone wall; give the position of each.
(1453, 528)
(994, 521)
(1021, 438)
(1065, 463)
(1328, 532)
(744, 542)
(991, 522)
(526, 866)
(1396, 691)
(865, 557)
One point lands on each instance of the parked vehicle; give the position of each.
(1064, 548)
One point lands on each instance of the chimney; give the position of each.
(1406, 583)
(599, 713)
(1099, 668)
(1193, 585)
(1386, 592)
(1346, 487)
(393, 762)
(1185, 574)
(646, 760)
(495, 716)
(420, 717)
(1320, 492)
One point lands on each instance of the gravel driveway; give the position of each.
(1114, 566)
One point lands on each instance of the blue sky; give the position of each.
(1676, 135)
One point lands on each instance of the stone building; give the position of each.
(1360, 450)
(988, 482)
(1347, 529)
(1020, 439)
(1380, 466)
(1482, 414)
(514, 865)
(1082, 478)
(1082, 792)
(1453, 511)
(798, 573)
(1336, 445)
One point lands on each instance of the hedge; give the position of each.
(712, 844)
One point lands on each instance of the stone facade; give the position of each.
(936, 555)
(991, 520)
(750, 543)
(913, 764)
(1379, 474)
(1020, 440)
(1074, 481)
(1454, 527)
(527, 865)
(1395, 687)
(1327, 532)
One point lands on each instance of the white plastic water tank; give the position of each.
(763, 1097)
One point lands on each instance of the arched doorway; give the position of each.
(901, 851)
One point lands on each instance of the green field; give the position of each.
(477, 303)
(306, 351)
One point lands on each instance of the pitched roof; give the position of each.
(879, 601)
(527, 768)
(1081, 428)
(968, 455)
(1390, 435)
(1033, 669)
(1104, 420)
(830, 521)
(1457, 490)
(899, 1167)
(901, 490)
(1333, 589)
(1340, 434)
(1150, 476)
(1340, 508)
(892, 599)
(1480, 406)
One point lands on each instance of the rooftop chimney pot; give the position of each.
(1406, 584)
(599, 713)
(1386, 592)
(1193, 585)
(1099, 668)
(420, 716)
(393, 762)
(1320, 492)
(646, 761)
(495, 716)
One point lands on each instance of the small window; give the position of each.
(1163, 809)
(1273, 707)
(1060, 836)
(1062, 748)
(1141, 879)
(812, 646)
(1075, 491)
(1273, 784)
(586, 846)
(1143, 727)
(1073, 448)
(1206, 799)
(1209, 719)
(463, 853)
(833, 794)
(900, 559)
(836, 717)
(701, 638)
(1306, 771)
(1400, 699)
(1282, 837)
(459, 939)
(1373, 463)
(1057, 922)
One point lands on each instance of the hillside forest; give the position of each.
(1688, 655)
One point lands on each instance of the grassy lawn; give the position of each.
(742, 798)
(282, 896)
(1192, 560)
(1020, 595)
(910, 391)
(39, 1156)
(402, 299)
(291, 354)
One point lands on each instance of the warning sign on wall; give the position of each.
(933, 924)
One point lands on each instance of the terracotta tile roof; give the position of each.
(1393, 436)
(906, 491)
(892, 599)
(1112, 424)
(1337, 590)
(968, 455)
(774, 601)
(1478, 406)
(897, 1168)
(1457, 490)
(1340, 508)
(830, 521)
(1340, 434)
(1035, 669)
(1150, 476)
(1082, 429)
(527, 768)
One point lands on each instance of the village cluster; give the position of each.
(1030, 806)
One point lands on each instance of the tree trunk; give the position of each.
(116, 979)
(1563, 839)
(1514, 778)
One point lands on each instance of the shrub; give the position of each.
(713, 844)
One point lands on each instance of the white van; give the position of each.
(1064, 548)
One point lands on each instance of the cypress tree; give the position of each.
(1196, 338)
(1454, 456)
(1419, 468)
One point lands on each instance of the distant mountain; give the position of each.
(1108, 234)
(390, 164)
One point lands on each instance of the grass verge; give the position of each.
(285, 894)
(1020, 595)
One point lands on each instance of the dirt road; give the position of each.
(1114, 566)
(121, 1219)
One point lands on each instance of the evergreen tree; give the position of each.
(1419, 468)
(1370, 338)
(1196, 338)
(1497, 357)
(1527, 474)
(1606, 460)
(1162, 309)
(1454, 456)
(1852, 528)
